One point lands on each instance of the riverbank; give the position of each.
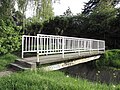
(86, 71)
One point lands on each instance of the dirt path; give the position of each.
(5, 73)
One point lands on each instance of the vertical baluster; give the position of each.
(58, 44)
(78, 46)
(47, 44)
(53, 44)
(29, 44)
(63, 47)
(41, 44)
(98, 45)
(26, 48)
(34, 40)
(61, 44)
(50, 44)
(73, 44)
(84, 45)
(90, 45)
(32, 44)
(64, 44)
(44, 44)
(67, 44)
(70, 44)
(23, 46)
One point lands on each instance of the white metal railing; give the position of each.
(52, 44)
(29, 44)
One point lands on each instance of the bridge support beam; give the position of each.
(70, 63)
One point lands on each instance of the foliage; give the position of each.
(93, 4)
(6, 7)
(41, 80)
(68, 12)
(57, 26)
(9, 37)
(44, 10)
(111, 58)
(6, 60)
(33, 27)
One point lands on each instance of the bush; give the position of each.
(9, 37)
(111, 58)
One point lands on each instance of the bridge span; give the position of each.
(59, 51)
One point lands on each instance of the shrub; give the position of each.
(9, 37)
(111, 58)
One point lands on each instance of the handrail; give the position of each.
(53, 44)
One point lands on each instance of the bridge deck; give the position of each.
(58, 57)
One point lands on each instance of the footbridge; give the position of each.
(59, 51)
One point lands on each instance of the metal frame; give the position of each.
(52, 44)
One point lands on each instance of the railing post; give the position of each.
(78, 46)
(63, 47)
(23, 46)
(73, 45)
(98, 45)
(90, 46)
(47, 46)
(84, 45)
(104, 46)
(38, 48)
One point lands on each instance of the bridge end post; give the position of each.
(23, 46)
(104, 46)
(38, 48)
(63, 43)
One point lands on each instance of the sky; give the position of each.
(76, 6)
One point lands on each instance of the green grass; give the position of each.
(111, 59)
(5, 60)
(41, 80)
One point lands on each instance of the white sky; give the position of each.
(76, 6)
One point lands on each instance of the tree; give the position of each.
(6, 8)
(44, 10)
(68, 12)
(92, 4)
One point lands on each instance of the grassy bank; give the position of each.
(41, 80)
(5, 60)
(110, 59)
